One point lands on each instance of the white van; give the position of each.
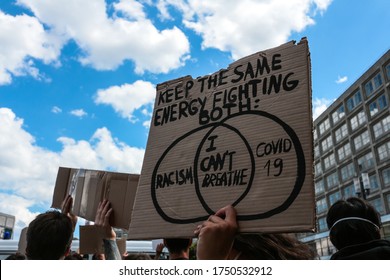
(8, 247)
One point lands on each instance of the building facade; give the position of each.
(7, 223)
(352, 151)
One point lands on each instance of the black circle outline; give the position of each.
(154, 198)
(300, 178)
(197, 187)
(301, 167)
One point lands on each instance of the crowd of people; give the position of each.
(354, 229)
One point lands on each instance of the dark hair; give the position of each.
(49, 236)
(177, 245)
(267, 246)
(98, 256)
(74, 256)
(352, 231)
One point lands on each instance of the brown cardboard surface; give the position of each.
(240, 136)
(91, 241)
(22, 245)
(89, 187)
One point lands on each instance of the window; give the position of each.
(377, 203)
(321, 205)
(361, 140)
(334, 197)
(386, 177)
(318, 169)
(316, 151)
(374, 184)
(388, 71)
(378, 105)
(388, 199)
(327, 143)
(373, 84)
(341, 132)
(384, 151)
(322, 225)
(366, 161)
(347, 172)
(354, 100)
(324, 126)
(329, 161)
(344, 151)
(332, 180)
(338, 114)
(319, 187)
(358, 120)
(324, 247)
(349, 191)
(381, 127)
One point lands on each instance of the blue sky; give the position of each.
(77, 81)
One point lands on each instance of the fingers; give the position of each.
(103, 212)
(228, 213)
(107, 216)
(197, 230)
(67, 204)
(216, 234)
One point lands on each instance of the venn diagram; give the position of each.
(239, 161)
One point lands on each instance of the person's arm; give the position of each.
(159, 249)
(102, 222)
(216, 235)
(66, 208)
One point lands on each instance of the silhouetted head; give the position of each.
(352, 221)
(177, 245)
(49, 236)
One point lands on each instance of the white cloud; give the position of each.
(107, 41)
(18, 207)
(128, 98)
(319, 106)
(341, 80)
(132, 9)
(80, 113)
(23, 39)
(146, 124)
(28, 172)
(56, 110)
(247, 26)
(322, 5)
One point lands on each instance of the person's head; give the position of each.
(16, 256)
(74, 256)
(178, 246)
(352, 221)
(267, 246)
(49, 236)
(98, 257)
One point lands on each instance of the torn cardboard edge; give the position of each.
(89, 187)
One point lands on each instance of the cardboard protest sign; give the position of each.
(92, 243)
(22, 244)
(89, 187)
(241, 136)
(90, 240)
